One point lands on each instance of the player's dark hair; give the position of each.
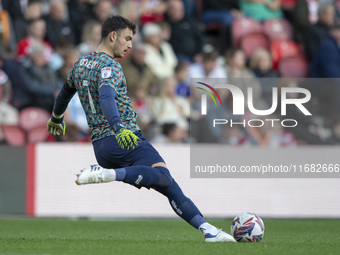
(116, 23)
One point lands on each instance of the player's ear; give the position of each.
(113, 36)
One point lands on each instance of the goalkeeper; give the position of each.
(121, 150)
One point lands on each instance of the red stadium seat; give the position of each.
(14, 135)
(288, 4)
(32, 117)
(251, 42)
(37, 134)
(278, 29)
(244, 26)
(293, 67)
(283, 49)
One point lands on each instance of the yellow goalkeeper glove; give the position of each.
(56, 125)
(125, 138)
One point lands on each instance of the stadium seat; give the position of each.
(242, 27)
(32, 117)
(251, 42)
(278, 29)
(283, 49)
(293, 67)
(14, 135)
(37, 134)
(288, 4)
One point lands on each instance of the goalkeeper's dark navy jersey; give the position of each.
(89, 74)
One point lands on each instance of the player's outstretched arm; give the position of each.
(125, 138)
(56, 124)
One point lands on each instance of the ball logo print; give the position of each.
(247, 227)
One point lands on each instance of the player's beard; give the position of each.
(118, 51)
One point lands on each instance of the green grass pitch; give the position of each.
(159, 236)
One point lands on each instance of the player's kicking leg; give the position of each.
(158, 178)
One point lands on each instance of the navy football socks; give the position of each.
(159, 178)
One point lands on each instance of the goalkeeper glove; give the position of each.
(125, 138)
(56, 125)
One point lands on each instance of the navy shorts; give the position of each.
(110, 155)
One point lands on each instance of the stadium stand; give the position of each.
(14, 135)
(251, 42)
(293, 67)
(278, 29)
(244, 26)
(32, 117)
(275, 36)
(283, 49)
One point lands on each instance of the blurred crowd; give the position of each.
(250, 43)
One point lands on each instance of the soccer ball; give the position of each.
(247, 227)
